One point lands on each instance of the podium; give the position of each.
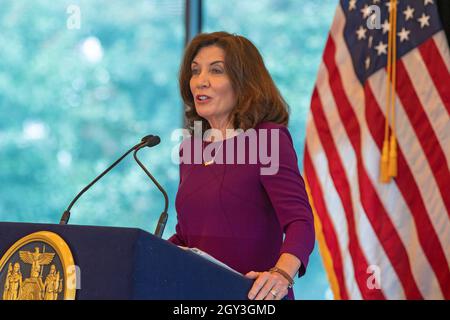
(127, 263)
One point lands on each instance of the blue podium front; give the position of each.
(108, 263)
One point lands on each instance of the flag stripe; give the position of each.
(368, 240)
(335, 212)
(338, 175)
(328, 230)
(440, 40)
(377, 215)
(417, 163)
(425, 133)
(324, 250)
(390, 284)
(402, 227)
(429, 98)
(408, 187)
(389, 194)
(436, 67)
(393, 291)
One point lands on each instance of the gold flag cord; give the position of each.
(388, 161)
(392, 169)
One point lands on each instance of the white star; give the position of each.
(386, 25)
(365, 11)
(409, 13)
(381, 48)
(404, 34)
(352, 5)
(367, 62)
(361, 32)
(424, 20)
(428, 2)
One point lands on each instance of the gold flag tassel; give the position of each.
(388, 161)
(392, 169)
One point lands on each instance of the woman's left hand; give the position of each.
(267, 286)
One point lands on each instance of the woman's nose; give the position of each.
(202, 80)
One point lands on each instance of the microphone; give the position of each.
(149, 141)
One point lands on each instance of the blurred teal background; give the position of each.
(76, 94)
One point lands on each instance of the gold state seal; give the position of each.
(39, 266)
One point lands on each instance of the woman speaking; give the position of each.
(230, 204)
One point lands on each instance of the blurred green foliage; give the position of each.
(73, 100)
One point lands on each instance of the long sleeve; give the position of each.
(286, 190)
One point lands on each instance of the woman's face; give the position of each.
(211, 87)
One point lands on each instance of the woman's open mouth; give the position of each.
(202, 98)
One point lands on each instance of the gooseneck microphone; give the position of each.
(153, 141)
(147, 141)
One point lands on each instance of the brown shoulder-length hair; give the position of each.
(258, 99)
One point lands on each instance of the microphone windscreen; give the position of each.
(151, 140)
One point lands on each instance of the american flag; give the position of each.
(382, 240)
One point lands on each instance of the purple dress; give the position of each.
(235, 213)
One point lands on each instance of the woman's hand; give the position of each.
(267, 286)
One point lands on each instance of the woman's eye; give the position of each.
(217, 70)
(194, 71)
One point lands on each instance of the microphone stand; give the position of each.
(163, 218)
(66, 215)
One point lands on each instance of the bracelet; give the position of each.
(284, 274)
